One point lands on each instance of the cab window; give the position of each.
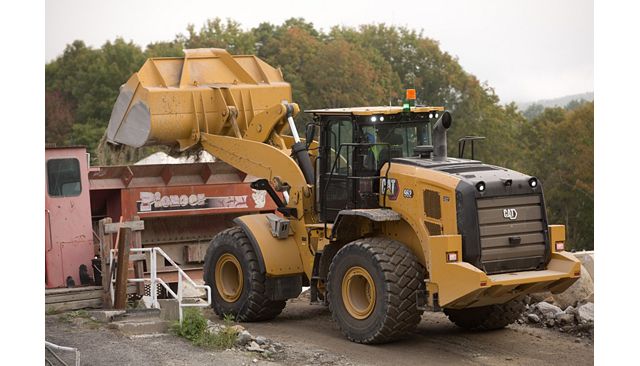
(340, 132)
(63, 177)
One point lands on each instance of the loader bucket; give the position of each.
(171, 100)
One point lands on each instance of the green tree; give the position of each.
(559, 151)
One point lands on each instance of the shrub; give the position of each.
(194, 328)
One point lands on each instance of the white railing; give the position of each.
(50, 346)
(154, 280)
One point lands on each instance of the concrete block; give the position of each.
(139, 327)
(169, 309)
(105, 316)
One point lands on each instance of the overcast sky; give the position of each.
(526, 50)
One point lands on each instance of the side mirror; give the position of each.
(310, 134)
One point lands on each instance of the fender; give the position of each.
(276, 257)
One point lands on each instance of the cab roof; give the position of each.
(368, 111)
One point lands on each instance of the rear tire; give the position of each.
(237, 285)
(486, 317)
(372, 286)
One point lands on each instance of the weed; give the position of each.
(68, 317)
(228, 319)
(194, 328)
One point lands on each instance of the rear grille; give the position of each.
(512, 233)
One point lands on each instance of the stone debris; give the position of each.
(254, 347)
(584, 313)
(244, 337)
(533, 318)
(548, 310)
(572, 320)
(245, 341)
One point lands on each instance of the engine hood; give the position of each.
(498, 181)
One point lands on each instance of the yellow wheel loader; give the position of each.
(373, 215)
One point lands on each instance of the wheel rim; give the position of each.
(229, 279)
(358, 292)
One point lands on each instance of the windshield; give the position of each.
(402, 136)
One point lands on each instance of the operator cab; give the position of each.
(355, 145)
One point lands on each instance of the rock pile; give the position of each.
(574, 320)
(247, 342)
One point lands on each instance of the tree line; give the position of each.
(343, 67)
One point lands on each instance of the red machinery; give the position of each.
(183, 206)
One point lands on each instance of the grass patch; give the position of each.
(194, 329)
(68, 317)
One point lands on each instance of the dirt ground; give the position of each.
(310, 337)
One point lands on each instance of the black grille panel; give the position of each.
(512, 235)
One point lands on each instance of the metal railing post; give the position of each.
(154, 287)
(180, 297)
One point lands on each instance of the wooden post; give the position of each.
(105, 249)
(138, 266)
(122, 272)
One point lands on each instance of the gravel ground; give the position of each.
(310, 337)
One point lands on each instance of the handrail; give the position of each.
(50, 346)
(50, 234)
(154, 280)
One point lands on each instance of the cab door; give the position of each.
(68, 231)
(335, 166)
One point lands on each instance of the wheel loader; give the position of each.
(373, 214)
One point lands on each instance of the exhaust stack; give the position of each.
(440, 136)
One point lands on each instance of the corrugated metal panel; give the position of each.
(511, 233)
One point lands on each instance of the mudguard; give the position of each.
(276, 257)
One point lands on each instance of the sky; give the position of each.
(527, 50)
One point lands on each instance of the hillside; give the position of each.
(557, 102)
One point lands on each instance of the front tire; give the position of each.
(486, 317)
(373, 285)
(237, 285)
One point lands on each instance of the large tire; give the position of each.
(372, 285)
(241, 289)
(486, 317)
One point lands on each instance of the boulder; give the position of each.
(584, 313)
(565, 318)
(254, 347)
(533, 318)
(587, 259)
(548, 310)
(578, 292)
(243, 338)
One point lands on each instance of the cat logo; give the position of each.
(510, 213)
(389, 187)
